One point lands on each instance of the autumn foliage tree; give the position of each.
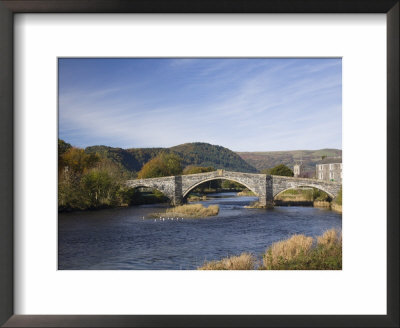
(78, 161)
(161, 166)
(192, 169)
(84, 180)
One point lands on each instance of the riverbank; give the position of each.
(336, 207)
(133, 198)
(333, 206)
(299, 252)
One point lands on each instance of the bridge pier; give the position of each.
(176, 201)
(267, 203)
(266, 198)
(177, 197)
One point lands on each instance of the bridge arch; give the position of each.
(278, 192)
(149, 186)
(189, 189)
(281, 184)
(168, 197)
(164, 185)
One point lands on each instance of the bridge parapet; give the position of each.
(136, 182)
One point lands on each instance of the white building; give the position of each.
(330, 169)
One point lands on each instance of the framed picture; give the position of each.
(161, 94)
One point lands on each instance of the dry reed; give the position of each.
(330, 238)
(244, 261)
(286, 250)
(321, 203)
(192, 211)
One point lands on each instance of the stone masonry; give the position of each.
(266, 187)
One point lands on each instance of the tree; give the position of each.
(98, 188)
(281, 170)
(78, 161)
(63, 147)
(162, 165)
(192, 169)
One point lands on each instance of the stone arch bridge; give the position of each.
(265, 186)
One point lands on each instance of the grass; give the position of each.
(287, 250)
(296, 195)
(190, 211)
(244, 261)
(302, 253)
(245, 192)
(330, 238)
(299, 252)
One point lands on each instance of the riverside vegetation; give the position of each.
(91, 181)
(299, 252)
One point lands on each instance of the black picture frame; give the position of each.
(10, 7)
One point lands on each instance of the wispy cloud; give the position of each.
(242, 104)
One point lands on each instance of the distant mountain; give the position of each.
(266, 160)
(197, 153)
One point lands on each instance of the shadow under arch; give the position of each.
(188, 190)
(162, 195)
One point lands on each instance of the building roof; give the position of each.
(330, 160)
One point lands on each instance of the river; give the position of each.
(120, 239)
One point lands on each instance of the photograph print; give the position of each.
(200, 164)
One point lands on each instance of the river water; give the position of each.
(120, 239)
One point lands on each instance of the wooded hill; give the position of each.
(266, 160)
(204, 154)
(197, 153)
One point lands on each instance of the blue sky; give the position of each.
(241, 104)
